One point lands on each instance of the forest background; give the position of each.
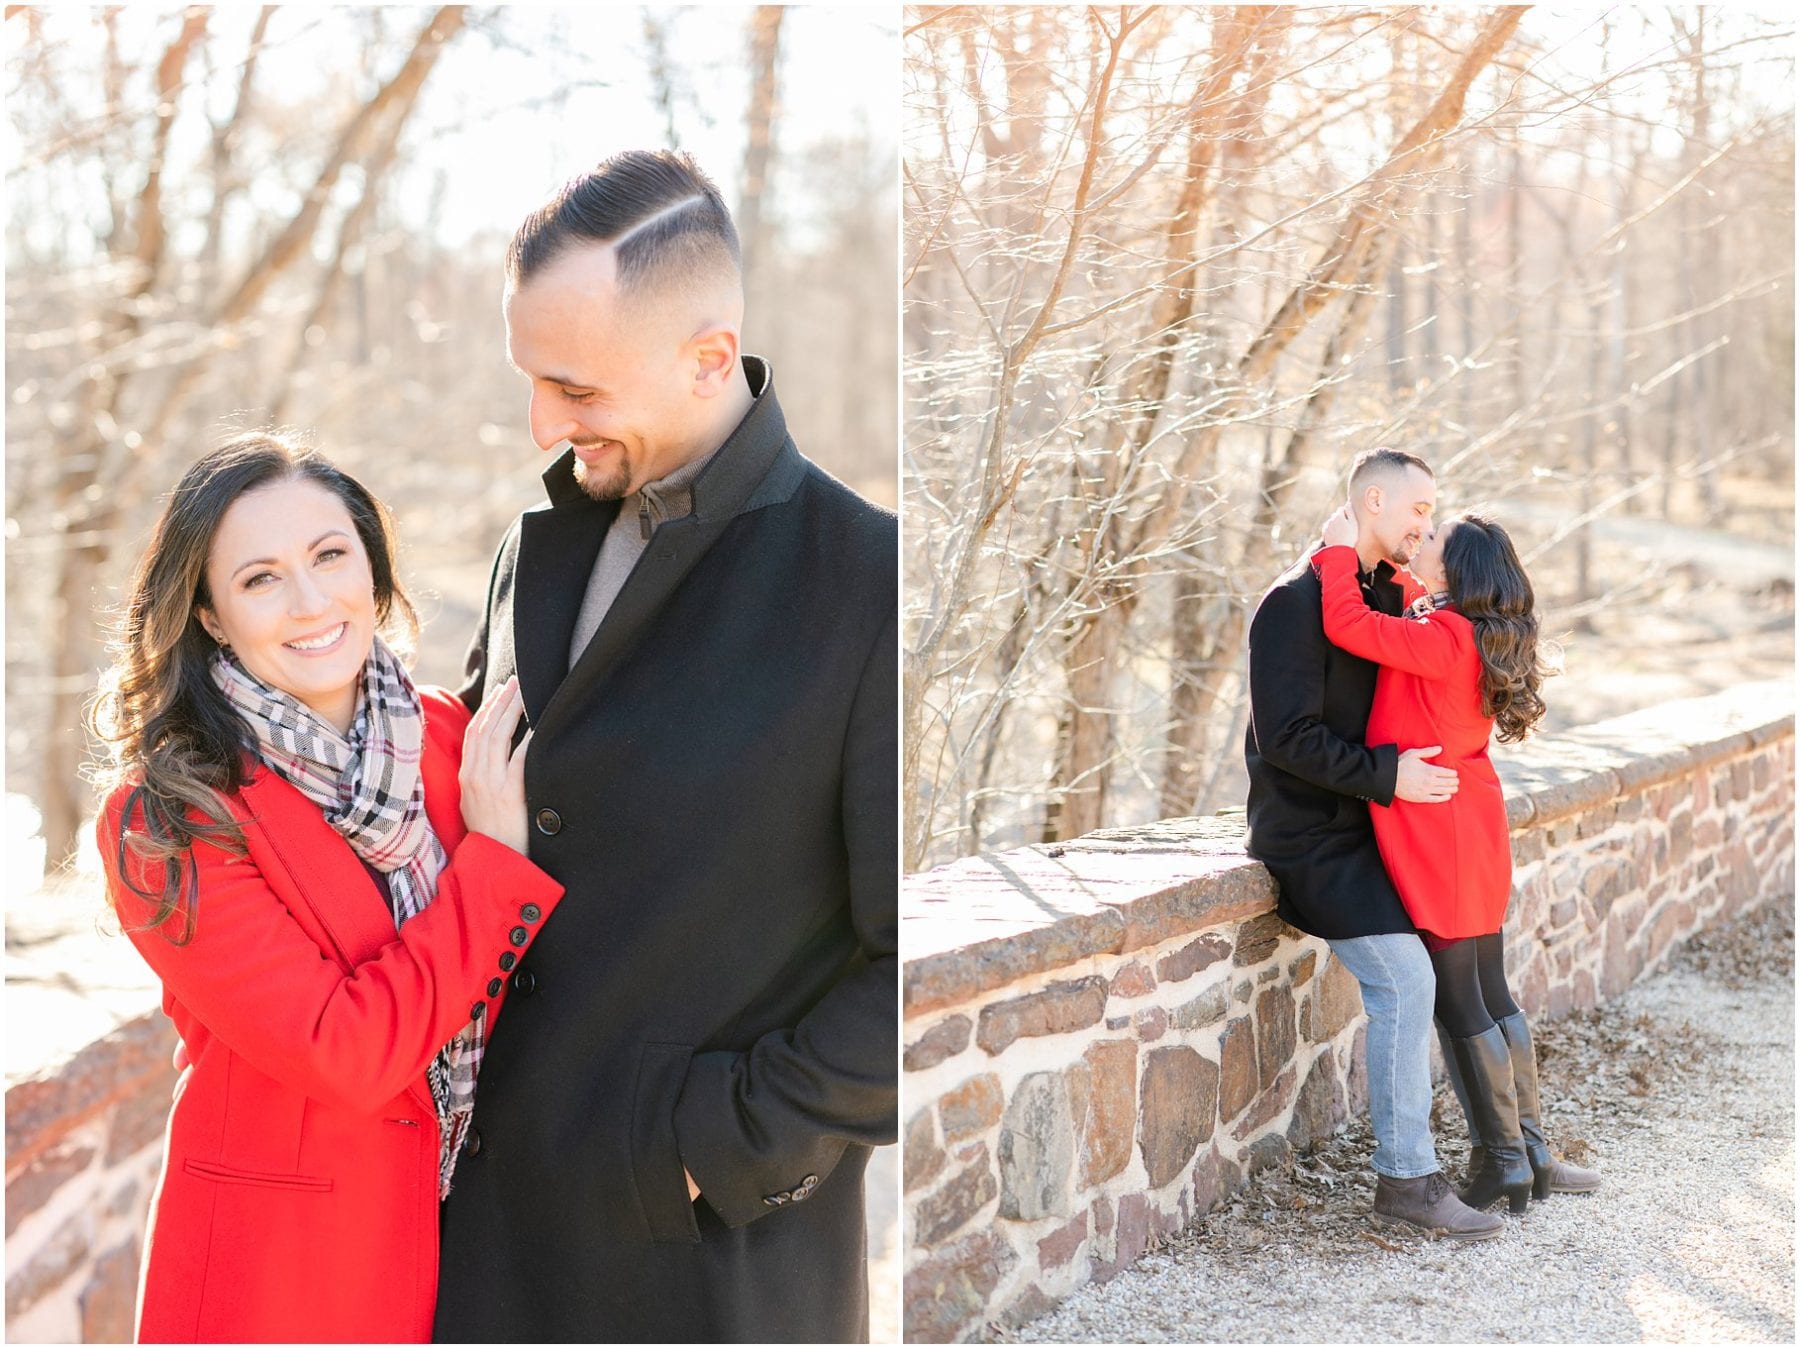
(225, 218)
(1167, 269)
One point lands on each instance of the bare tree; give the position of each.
(765, 46)
(138, 378)
(1140, 289)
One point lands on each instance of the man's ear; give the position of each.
(715, 354)
(1371, 499)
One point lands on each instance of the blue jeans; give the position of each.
(1398, 988)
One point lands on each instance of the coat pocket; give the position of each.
(657, 1174)
(231, 1175)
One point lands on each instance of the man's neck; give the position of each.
(734, 406)
(1369, 555)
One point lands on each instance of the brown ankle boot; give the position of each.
(1429, 1205)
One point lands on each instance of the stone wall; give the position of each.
(1104, 1037)
(83, 1148)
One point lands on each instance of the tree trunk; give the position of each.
(350, 231)
(1193, 610)
(1085, 740)
(765, 44)
(1703, 288)
(1217, 120)
(1221, 651)
(226, 183)
(1198, 677)
(1431, 331)
(62, 795)
(1368, 219)
(73, 663)
(1515, 265)
(1465, 283)
(1624, 304)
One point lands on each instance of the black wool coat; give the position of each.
(715, 784)
(1311, 775)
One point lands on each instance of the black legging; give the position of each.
(1471, 985)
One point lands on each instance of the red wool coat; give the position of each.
(298, 1198)
(1451, 862)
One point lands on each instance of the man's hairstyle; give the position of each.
(1383, 462)
(662, 214)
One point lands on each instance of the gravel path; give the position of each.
(1681, 1093)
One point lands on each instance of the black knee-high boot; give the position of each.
(1550, 1173)
(1454, 1074)
(1486, 1064)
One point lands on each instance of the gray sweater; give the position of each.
(668, 498)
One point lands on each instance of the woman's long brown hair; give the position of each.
(1488, 585)
(170, 734)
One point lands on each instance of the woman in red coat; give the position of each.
(1463, 663)
(330, 901)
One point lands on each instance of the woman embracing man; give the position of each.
(1381, 667)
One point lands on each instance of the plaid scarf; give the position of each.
(372, 792)
(1426, 604)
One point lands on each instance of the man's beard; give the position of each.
(1404, 551)
(605, 485)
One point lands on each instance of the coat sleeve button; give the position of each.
(494, 987)
(531, 913)
(477, 1011)
(508, 960)
(518, 936)
(549, 822)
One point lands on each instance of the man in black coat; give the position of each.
(673, 1116)
(1311, 781)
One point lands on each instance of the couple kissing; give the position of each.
(1381, 666)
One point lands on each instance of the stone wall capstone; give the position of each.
(1105, 1037)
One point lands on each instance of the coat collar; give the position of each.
(729, 481)
(758, 465)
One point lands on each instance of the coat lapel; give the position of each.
(327, 889)
(671, 553)
(332, 889)
(757, 465)
(557, 548)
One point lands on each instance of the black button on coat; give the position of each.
(1311, 775)
(718, 989)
